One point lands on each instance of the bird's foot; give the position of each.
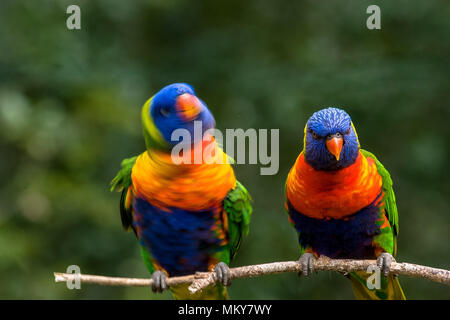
(159, 281)
(223, 274)
(307, 263)
(384, 261)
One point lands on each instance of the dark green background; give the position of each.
(70, 111)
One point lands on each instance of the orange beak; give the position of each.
(188, 106)
(334, 145)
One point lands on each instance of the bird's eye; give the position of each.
(315, 135)
(164, 112)
(338, 135)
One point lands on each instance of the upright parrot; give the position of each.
(188, 217)
(340, 200)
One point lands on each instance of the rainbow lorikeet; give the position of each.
(340, 200)
(188, 216)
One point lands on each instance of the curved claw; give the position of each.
(223, 273)
(384, 261)
(159, 281)
(307, 263)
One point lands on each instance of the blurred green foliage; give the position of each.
(70, 105)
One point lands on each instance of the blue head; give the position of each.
(330, 142)
(174, 107)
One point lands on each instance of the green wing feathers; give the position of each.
(389, 196)
(123, 178)
(239, 210)
(122, 182)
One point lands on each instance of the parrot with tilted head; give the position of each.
(340, 200)
(188, 216)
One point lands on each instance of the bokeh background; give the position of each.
(70, 106)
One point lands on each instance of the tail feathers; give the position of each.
(390, 288)
(216, 292)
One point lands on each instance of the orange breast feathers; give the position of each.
(333, 194)
(194, 187)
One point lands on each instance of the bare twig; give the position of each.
(201, 280)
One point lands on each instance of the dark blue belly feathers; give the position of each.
(180, 241)
(349, 238)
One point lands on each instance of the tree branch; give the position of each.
(201, 280)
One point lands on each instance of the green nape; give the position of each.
(154, 144)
